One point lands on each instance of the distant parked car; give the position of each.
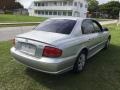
(61, 44)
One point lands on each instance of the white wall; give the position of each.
(82, 10)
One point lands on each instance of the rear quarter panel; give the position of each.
(73, 46)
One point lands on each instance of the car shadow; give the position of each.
(69, 79)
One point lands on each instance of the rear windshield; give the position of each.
(63, 26)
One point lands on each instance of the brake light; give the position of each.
(51, 52)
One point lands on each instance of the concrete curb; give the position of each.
(18, 23)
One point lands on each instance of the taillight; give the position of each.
(52, 52)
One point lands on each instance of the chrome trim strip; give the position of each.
(96, 45)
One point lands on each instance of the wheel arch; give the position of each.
(85, 50)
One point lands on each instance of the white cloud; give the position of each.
(25, 3)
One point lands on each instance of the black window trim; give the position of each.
(97, 24)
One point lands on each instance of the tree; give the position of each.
(93, 6)
(6, 4)
(111, 9)
(17, 5)
(9, 4)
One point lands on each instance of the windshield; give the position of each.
(63, 26)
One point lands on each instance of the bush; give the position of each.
(8, 12)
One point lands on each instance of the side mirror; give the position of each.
(105, 29)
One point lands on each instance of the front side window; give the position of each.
(96, 27)
(63, 26)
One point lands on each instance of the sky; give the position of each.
(26, 3)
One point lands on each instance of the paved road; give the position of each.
(9, 33)
(108, 22)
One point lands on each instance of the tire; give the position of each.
(80, 63)
(107, 44)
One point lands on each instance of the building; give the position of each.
(56, 8)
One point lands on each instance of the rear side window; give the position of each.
(63, 26)
(87, 27)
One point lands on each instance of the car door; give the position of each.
(100, 33)
(88, 29)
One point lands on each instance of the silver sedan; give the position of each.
(60, 44)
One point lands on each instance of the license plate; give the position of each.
(28, 48)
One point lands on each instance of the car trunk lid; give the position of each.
(33, 43)
(46, 37)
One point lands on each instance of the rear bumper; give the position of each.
(47, 65)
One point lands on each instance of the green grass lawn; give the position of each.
(18, 18)
(102, 71)
(101, 19)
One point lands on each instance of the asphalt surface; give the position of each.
(8, 33)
